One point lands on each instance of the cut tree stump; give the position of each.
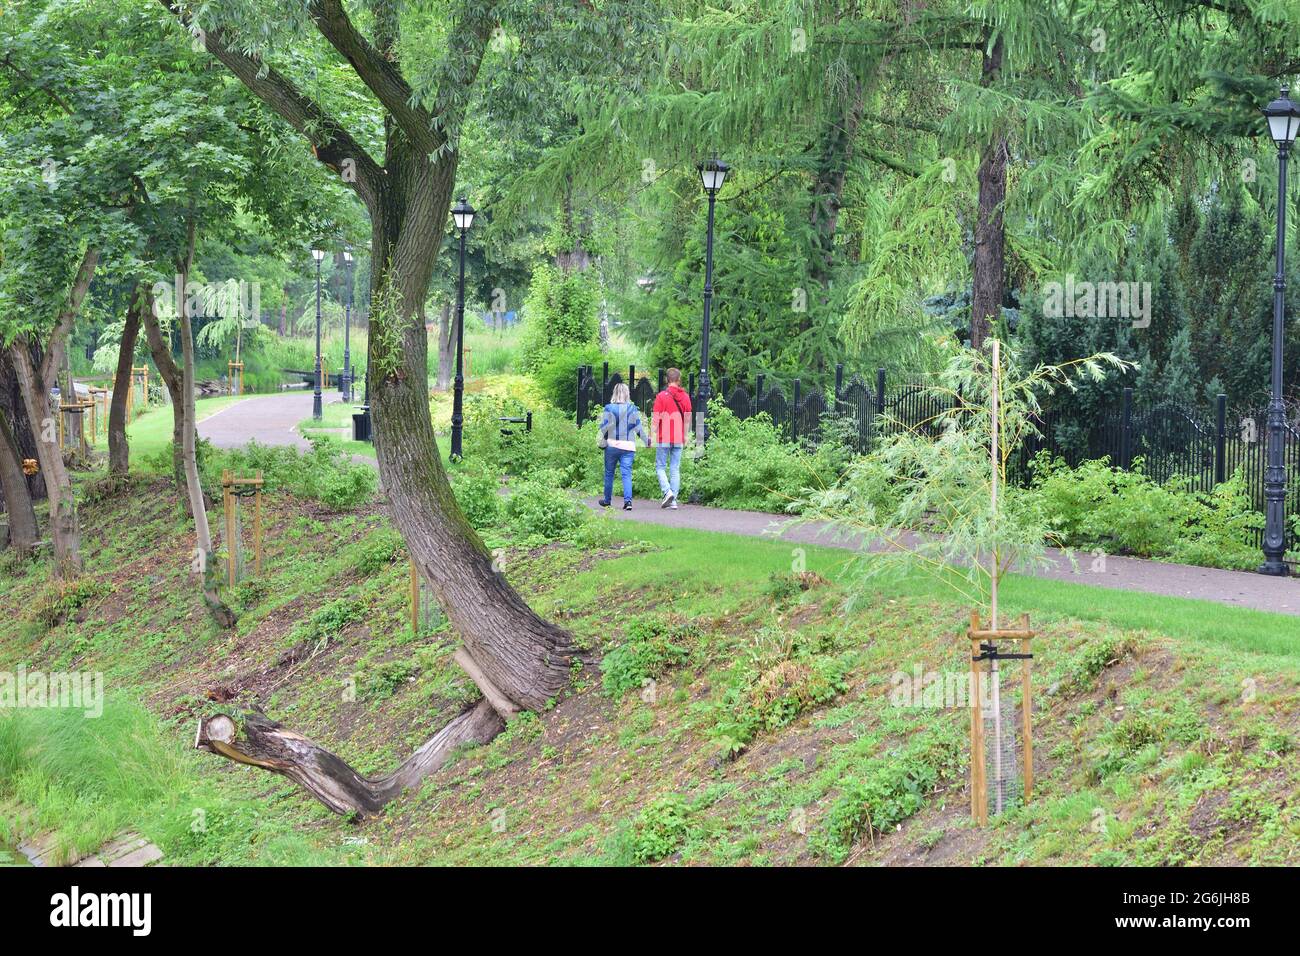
(262, 742)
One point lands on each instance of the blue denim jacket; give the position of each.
(622, 423)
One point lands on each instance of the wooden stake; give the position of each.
(976, 727)
(1027, 711)
(228, 504)
(415, 599)
(257, 523)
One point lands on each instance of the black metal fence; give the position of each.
(1203, 447)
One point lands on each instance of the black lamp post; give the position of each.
(712, 175)
(317, 254)
(1283, 124)
(346, 383)
(463, 215)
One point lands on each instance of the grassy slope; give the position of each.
(1149, 750)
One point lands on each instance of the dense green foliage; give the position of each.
(560, 312)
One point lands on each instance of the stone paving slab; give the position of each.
(125, 850)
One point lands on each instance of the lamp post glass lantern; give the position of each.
(345, 382)
(712, 175)
(1283, 123)
(318, 254)
(462, 214)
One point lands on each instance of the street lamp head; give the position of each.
(1283, 120)
(713, 174)
(317, 253)
(462, 214)
(347, 257)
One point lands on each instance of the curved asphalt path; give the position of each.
(266, 419)
(272, 420)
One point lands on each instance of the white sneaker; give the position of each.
(673, 506)
(667, 498)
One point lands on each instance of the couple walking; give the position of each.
(621, 425)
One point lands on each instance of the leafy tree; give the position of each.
(413, 109)
(560, 311)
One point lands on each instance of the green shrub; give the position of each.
(60, 600)
(326, 473)
(333, 617)
(539, 508)
(1095, 506)
(480, 499)
(557, 373)
(765, 693)
(650, 647)
(554, 443)
(889, 792)
(378, 550)
(659, 828)
(751, 465)
(381, 681)
(560, 311)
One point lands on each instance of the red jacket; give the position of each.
(672, 415)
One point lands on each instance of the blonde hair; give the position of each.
(620, 395)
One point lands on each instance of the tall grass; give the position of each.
(87, 779)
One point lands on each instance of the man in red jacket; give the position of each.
(672, 413)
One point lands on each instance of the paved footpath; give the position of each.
(271, 420)
(266, 419)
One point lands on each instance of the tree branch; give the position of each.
(332, 144)
(53, 357)
(381, 76)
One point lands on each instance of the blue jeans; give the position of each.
(670, 480)
(615, 457)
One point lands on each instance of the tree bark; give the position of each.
(34, 381)
(222, 614)
(23, 530)
(12, 405)
(119, 452)
(161, 351)
(989, 263)
(521, 656)
(65, 530)
(445, 355)
(265, 743)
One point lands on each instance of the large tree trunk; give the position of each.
(445, 354)
(520, 656)
(35, 380)
(264, 743)
(119, 452)
(989, 265)
(13, 406)
(161, 351)
(23, 531)
(65, 530)
(517, 659)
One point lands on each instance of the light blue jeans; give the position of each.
(621, 460)
(668, 466)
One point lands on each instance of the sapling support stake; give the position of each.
(984, 644)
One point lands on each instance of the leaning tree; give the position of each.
(403, 169)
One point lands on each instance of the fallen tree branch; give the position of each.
(265, 743)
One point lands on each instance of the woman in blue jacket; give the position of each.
(619, 427)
